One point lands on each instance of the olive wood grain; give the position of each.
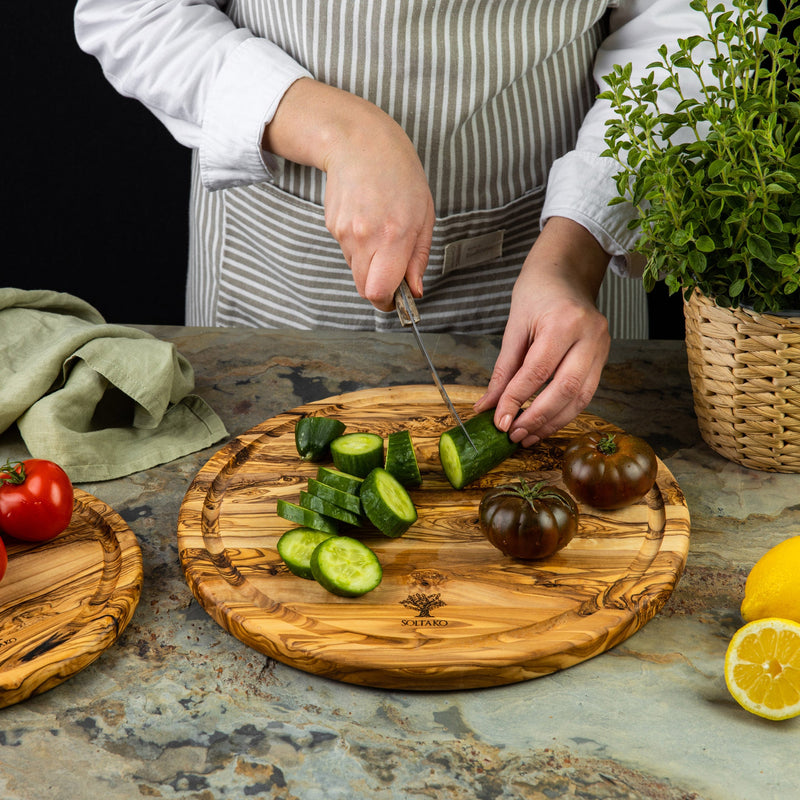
(452, 612)
(65, 601)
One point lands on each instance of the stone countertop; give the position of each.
(178, 708)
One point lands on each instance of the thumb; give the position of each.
(420, 255)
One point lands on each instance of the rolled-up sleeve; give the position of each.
(581, 183)
(213, 85)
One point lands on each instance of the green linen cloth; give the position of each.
(100, 400)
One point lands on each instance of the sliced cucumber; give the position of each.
(357, 453)
(401, 460)
(331, 494)
(327, 509)
(295, 548)
(345, 566)
(387, 504)
(339, 480)
(313, 436)
(306, 517)
(462, 463)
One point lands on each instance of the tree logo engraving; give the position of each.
(424, 604)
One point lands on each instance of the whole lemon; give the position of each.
(773, 585)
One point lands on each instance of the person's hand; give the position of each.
(378, 204)
(555, 337)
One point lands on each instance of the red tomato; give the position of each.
(609, 470)
(35, 500)
(3, 559)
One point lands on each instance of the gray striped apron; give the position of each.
(491, 92)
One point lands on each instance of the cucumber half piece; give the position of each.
(345, 566)
(387, 504)
(313, 436)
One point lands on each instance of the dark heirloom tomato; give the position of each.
(36, 499)
(528, 522)
(609, 470)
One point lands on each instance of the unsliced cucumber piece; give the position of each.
(339, 480)
(296, 546)
(306, 517)
(357, 453)
(345, 566)
(313, 436)
(401, 460)
(336, 496)
(387, 504)
(314, 503)
(462, 463)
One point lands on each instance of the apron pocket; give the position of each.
(282, 268)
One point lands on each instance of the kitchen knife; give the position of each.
(409, 315)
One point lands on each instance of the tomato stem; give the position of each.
(607, 446)
(530, 493)
(12, 473)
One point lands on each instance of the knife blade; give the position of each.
(409, 316)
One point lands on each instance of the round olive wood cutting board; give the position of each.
(451, 612)
(65, 601)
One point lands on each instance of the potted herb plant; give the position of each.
(708, 145)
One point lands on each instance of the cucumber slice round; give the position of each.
(387, 504)
(345, 566)
(313, 436)
(295, 548)
(401, 460)
(357, 453)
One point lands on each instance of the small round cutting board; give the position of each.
(451, 612)
(64, 601)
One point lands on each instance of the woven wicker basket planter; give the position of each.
(745, 374)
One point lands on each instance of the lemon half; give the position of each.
(762, 668)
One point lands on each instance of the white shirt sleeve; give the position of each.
(213, 85)
(581, 183)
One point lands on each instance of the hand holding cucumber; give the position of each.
(556, 342)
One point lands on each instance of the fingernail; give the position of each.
(505, 422)
(518, 434)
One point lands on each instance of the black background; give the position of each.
(97, 189)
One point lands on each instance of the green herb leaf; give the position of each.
(772, 222)
(716, 168)
(759, 247)
(737, 287)
(705, 244)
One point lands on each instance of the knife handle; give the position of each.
(405, 305)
